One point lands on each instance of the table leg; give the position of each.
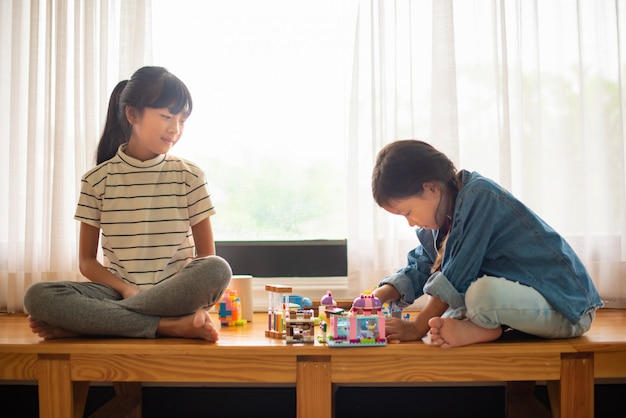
(522, 402)
(577, 385)
(314, 387)
(126, 402)
(56, 391)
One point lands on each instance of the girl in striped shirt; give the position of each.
(150, 211)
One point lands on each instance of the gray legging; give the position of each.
(89, 308)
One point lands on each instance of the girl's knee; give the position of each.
(482, 292)
(482, 300)
(35, 295)
(214, 268)
(221, 268)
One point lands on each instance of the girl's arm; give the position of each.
(386, 293)
(410, 280)
(92, 269)
(203, 238)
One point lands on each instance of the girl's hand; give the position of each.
(129, 291)
(397, 330)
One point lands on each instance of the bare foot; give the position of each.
(48, 332)
(448, 332)
(197, 325)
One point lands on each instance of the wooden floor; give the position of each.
(64, 368)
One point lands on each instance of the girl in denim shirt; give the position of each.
(486, 261)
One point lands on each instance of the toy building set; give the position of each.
(362, 326)
(287, 317)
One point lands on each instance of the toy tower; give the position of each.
(230, 309)
(277, 311)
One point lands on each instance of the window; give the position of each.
(268, 119)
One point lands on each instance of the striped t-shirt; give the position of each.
(145, 210)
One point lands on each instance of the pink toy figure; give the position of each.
(326, 303)
(323, 330)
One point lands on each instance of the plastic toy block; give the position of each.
(230, 309)
(300, 327)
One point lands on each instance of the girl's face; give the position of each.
(154, 132)
(419, 210)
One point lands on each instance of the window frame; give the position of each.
(307, 258)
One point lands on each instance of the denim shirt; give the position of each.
(494, 234)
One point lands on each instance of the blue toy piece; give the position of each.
(301, 301)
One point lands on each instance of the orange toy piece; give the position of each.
(230, 309)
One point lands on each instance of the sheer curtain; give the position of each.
(530, 94)
(60, 61)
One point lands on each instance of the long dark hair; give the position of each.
(152, 87)
(402, 168)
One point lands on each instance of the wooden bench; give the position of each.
(63, 369)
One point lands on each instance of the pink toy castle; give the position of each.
(364, 325)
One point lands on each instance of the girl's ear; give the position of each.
(431, 187)
(131, 115)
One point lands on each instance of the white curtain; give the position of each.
(529, 93)
(60, 61)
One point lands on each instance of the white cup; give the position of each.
(242, 284)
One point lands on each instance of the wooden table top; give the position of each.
(609, 328)
(506, 359)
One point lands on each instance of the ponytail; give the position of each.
(116, 129)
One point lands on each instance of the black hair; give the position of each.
(152, 87)
(402, 167)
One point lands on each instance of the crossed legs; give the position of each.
(493, 302)
(176, 308)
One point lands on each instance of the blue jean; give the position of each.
(491, 302)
